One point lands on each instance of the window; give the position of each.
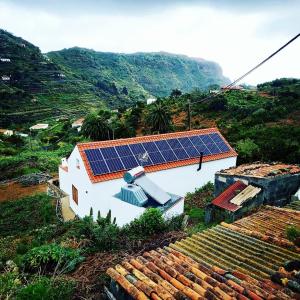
(77, 163)
(75, 194)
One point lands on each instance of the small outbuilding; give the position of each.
(241, 189)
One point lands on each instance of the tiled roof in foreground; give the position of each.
(169, 274)
(151, 138)
(218, 263)
(269, 223)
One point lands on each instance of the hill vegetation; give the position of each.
(71, 81)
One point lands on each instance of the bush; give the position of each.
(150, 222)
(47, 289)
(293, 234)
(52, 258)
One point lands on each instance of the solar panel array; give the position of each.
(125, 157)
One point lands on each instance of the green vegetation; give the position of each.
(72, 81)
(21, 216)
(293, 234)
(38, 252)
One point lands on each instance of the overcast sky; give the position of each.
(237, 34)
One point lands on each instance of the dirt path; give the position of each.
(13, 191)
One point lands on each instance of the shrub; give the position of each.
(52, 258)
(9, 284)
(47, 289)
(150, 222)
(293, 234)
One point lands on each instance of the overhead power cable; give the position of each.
(250, 71)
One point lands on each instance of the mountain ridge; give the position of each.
(77, 79)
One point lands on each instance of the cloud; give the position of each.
(149, 6)
(236, 34)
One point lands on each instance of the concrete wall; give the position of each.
(275, 190)
(100, 196)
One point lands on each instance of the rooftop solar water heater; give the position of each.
(138, 177)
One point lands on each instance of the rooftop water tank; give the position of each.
(134, 194)
(134, 173)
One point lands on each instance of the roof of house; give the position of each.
(224, 199)
(78, 122)
(163, 166)
(259, 169)
(39, 126)
(218, 263)
(4, 130)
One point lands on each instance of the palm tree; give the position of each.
(159, 117)
(96, 126)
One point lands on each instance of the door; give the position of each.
(75, 194)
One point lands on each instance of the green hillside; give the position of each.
(72, 81)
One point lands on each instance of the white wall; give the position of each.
(100, 196)
(185, 179)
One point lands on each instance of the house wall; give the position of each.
(186, 179)
(100, 196)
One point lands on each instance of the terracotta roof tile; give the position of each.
(259, 169)
(269, 224)
(219, 263)
(223, 200)
(110, 143)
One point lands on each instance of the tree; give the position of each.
(97, 126)
(175, 93)
(159, 117)
(247, 149)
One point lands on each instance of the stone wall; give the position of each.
(276, 190)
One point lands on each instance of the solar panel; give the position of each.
(185, 142)
(192, 152)
(123, 150)
(150, 147)
(222, 146)
(93, 154)
(162, 145)
(129, 162)
(174, 143)
(137, 148)
(125, 157)
(196, 140)
(180, 153)
(109, 152)
(216, 137)
(99, 167)
(115, 165)
(169, 155)
(156, 157)
(213, 149)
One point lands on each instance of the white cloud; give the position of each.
(237, 40)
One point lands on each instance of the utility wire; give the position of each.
(246, 74)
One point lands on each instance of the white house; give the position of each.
(151, 100)
(177, 162)
(78, 124)
(6, 132)
(5, 77)
(4, 59)
(39, 126)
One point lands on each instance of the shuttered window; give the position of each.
(75, 194)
